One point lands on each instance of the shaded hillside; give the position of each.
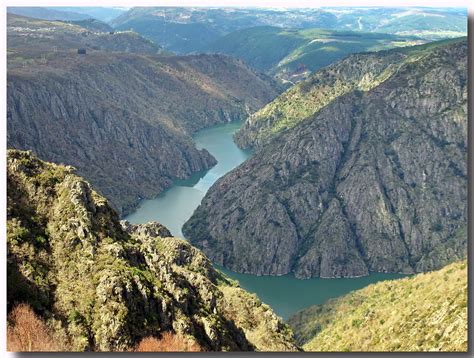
(103, 285)
(293, 54)
(124, 120)
(376, 180)
(426, 312)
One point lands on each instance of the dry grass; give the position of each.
(426, 312)
(26, 332)
(169, 342)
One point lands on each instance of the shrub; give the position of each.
(356, 323)
(26, 332)
(168, 342)
(437, 227)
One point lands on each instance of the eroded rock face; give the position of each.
(104, 285)
(124, 120)
(374, 181)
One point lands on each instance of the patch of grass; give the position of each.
(421, 313)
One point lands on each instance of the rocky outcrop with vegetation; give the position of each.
(425, 312)
(124, 120)
(357, 72)
(104, 285)
(375, 180)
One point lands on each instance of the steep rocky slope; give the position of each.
(103, 285)
(362, 72)
(374, 181)
(426, 312)
(124, 120)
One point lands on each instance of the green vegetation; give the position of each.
(104, 286)
(185, 30)
(358, 72)
(425, 312)
(425, 22)
(291, 55)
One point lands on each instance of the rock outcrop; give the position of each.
(425, 312)
(104, 285)
(357, 72)
(124, 120)
(375, 180)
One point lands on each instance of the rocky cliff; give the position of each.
(375, 180)
(102, 284)
(361, 72)
(124, 120)
(426, 312)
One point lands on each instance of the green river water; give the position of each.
(285, 294)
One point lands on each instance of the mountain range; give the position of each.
(291, 55)
(185, 30)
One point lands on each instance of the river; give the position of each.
(285, 294)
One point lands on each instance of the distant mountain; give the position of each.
(67, 13)
(427, 23)
(185, 30)
(46, 13)
(93, 25)
(292, 54)
(105, 14)
(30, 38)
(359, 168)
(425, 312)
(121, 114)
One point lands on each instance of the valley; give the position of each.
(350, 187)
(132, 131)
(175, 206)
(237, 179)
(291, 55)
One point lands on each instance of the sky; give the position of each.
(243, 3)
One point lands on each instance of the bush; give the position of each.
(356, 323)
(437, 227)
(26, 332)
(169, 342)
